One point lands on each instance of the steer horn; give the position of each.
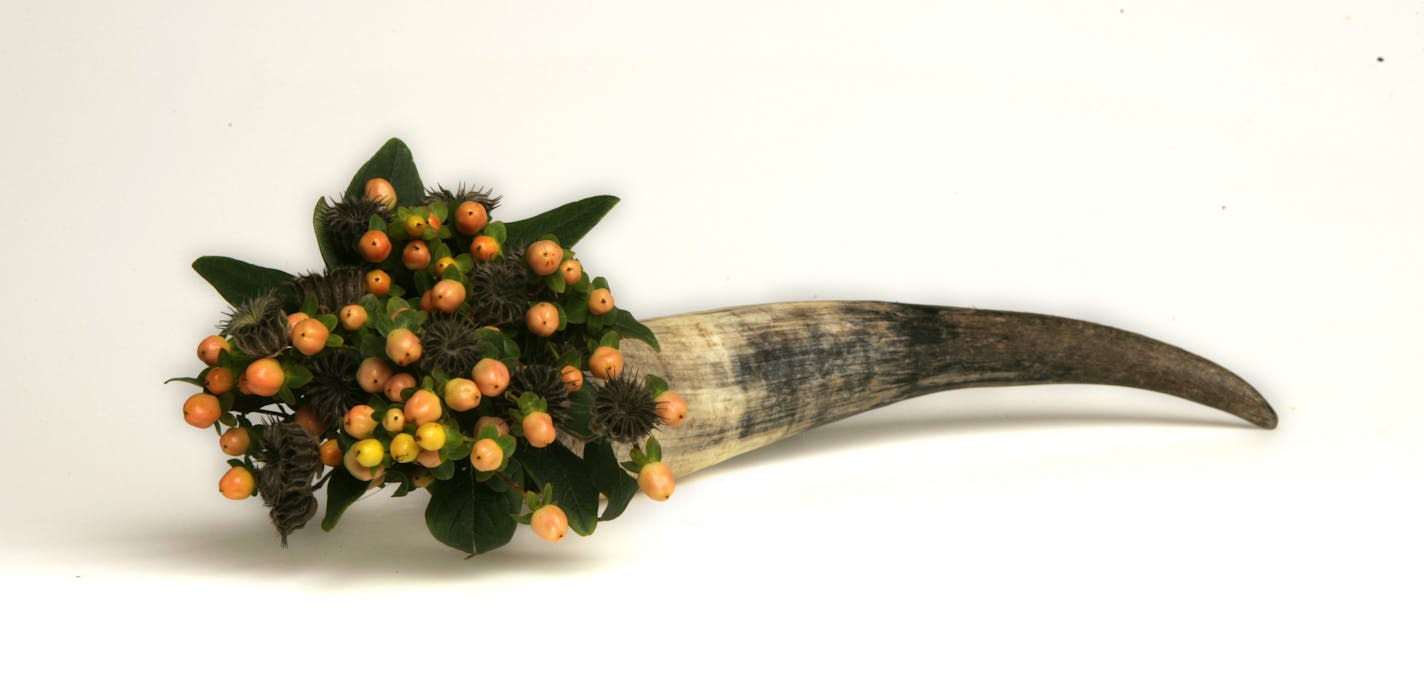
(755, 374)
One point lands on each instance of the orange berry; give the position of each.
(373, 374)
(381, 191)
(429, 459)
(330, 453)
(293, 319)
(309, 337)
(354, 467)
(378, 282)
(471, 217)
(306, 417)
(360, 421)
(426, 304)
(500, 426)
(572, 377)
(209, 348)
(606, 363)
(443, 264)
(486, 456)
(403, 347)
(375, 246)
(264, 377)
(542, 319)
(353, 317)
(484, 248)
(544, 257)
(422, 407)
(218, 380)
(572, 271)
(398, 385)
(415, 226)
(491, 375)
(237, 483)
(447, 295)
(416, 255)
(656, 481)
(672, 409)
(539, 429)
(462, 394)
(433, 221)
(600, 301)
(235, 441)
(550, 523)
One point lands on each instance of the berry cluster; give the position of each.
(443, 350)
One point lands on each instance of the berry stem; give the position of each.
(511, 483)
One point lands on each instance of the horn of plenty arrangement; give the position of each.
(446, 352)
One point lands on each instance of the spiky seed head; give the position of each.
(333, 289)
(484, 197)
(449, 342)
(291, 459)
(258, 326)
(501, 290)
(333, 388)
(349, 219)
(623, 410)
(547, 382)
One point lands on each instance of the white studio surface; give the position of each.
(1239, 179)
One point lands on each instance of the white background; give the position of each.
(1241, 179)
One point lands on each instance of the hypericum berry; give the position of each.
(309, 336)
(550, 523)
(330, 452)
(656, 481)
(572, 271)
(360, 421)
(471, 217)
(404, 449)
(373, 374)
(421, 478)
(430, 436)
(491, 376)
(672, 409)
(403, 347)
(354, 467)
(353, 317)
(378, 282)
(501, 427)
(443, 264)
(415, 226)
(235, 441)
(416, 255)
(425, 303)
(572, 377)
(542, 319)
(600, 301)
(307, 417)
(484, 248)
(292, 320)
(264, 377)
(434, 222)
(462, 394)
(369, 452)
(393, 420)
(606, 363)
(447, 295)
(544, 257)
(539, 429)
(397, 385)
(486, 455)
(237, 484)
(381, 191)
(422, 407)
(375, 246)
(209, 348)
(218, 380)
(429, 459)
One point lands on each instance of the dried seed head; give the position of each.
(333, 388)
(333, 289)
(462, 194)
(623, 410)
(292, 460)
(258, 326)
(449, 343)
(349, 219)
(501, 290)
(546, 381)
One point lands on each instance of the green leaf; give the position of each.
(574, 490)
(236, 280)
(330, 252)
(569, 223)
(655, 385)
(342, 490)
(628, 326)
(395, 163)
(610, 478)
(470, 516)
(184, 379)
(297, 375)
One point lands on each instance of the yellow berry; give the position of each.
(404, 449)
(369, 452)
(430, 436)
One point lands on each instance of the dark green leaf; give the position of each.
(342, 490)
(393, 162)
(628, 326)
(610, 478)
(574, 490)
(236, 280)
(184, 379)
(470, 516)
(569, 223)
(330, 252)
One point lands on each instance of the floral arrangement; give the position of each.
(439, 349)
